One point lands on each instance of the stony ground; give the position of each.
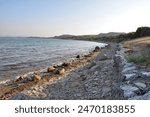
(98, 80)
(106, 75)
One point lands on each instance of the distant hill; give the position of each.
(111, 36)
(101, 35)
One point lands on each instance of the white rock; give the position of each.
(129, 94)
(129, 88)
(146, 96)
(140, 85)
(129, 76)
(96, 72)
(126, 70)
(127, 65)
(145, 74)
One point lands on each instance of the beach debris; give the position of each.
(36, 78)
(50, 69)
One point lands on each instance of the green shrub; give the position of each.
(142, 58)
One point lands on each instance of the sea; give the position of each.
(21, 55)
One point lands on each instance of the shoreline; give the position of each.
(94, 76)
(22, 82)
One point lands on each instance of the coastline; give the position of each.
(20, 89)
(94, 76)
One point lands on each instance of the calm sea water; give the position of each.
(22, 55)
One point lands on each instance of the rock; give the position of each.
(97, 49)
(127, 65)
(19, 79)
(129, 94)
(130, 76)
(21, 96)
(129, 91)
(96, 72)
(129, 88)
(83, 77)
(103, 57)
(140, 85)
(78, 56)
(146, 96)
(74, 84)
(50, 69)
(94, 68)
(145, 74)
(128, 69)
(36, 78)
(65, 64)
(105, 91)
(62, 71)
(118, 60)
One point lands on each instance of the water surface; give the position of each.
(22, 55)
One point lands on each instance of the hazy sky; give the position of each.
(56, 17)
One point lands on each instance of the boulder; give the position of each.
(127, 65)
(50, 69)
(62, 71)
(78, 56)
(129, 69)
(140, 85)
(130, 76)
(97, 48)
(146, 96)
(36, 78)
(129, 94)
(145, 74)
(65, 64)
(129, 90)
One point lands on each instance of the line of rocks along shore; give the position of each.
(135, 82)
(101, 74)
(47, 76)
(98, 78)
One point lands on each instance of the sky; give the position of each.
(78, 17)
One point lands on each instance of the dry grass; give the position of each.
(140, 41)
(140, 54)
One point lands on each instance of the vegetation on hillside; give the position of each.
(112, 36)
